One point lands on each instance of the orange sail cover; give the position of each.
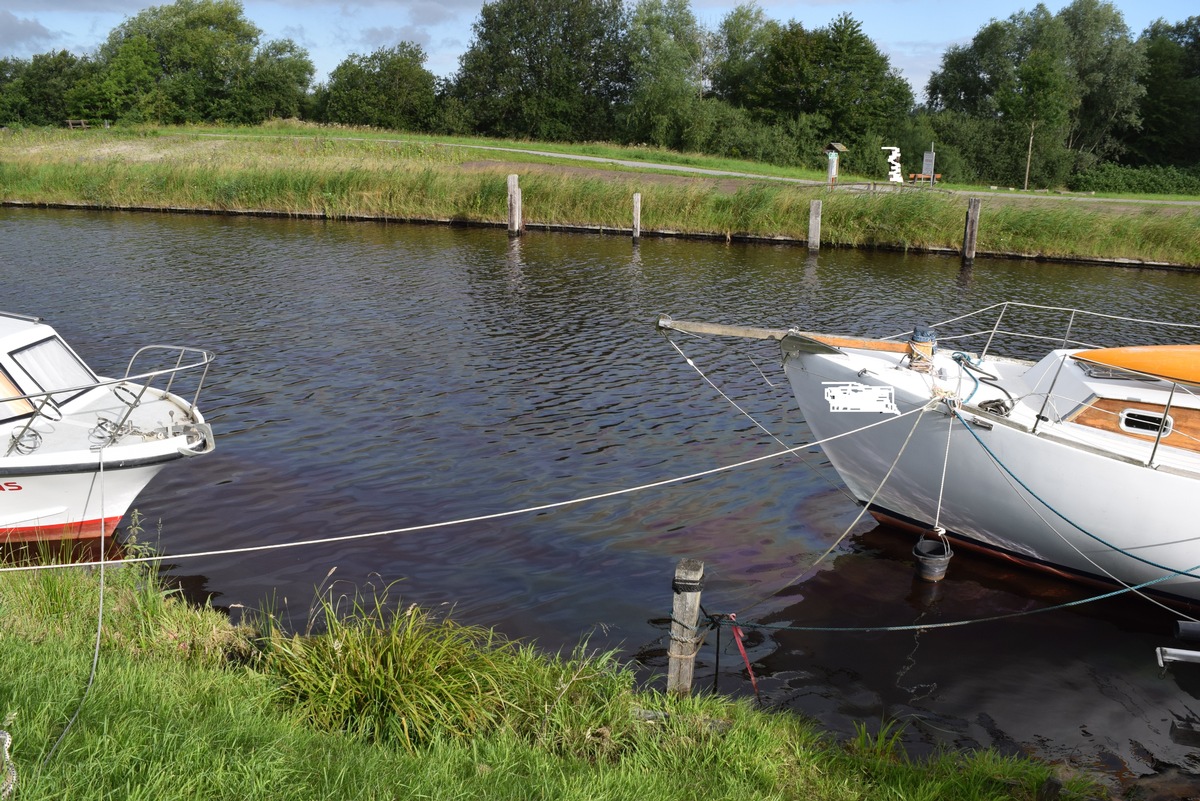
(1179, 363)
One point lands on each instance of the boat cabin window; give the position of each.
(11, 409)
(52, 366)
(1140, 421)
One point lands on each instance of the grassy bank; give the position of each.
(343, 175)
(186, 706)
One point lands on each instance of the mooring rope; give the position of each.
(937, 516)
(10, 770)
(648, 486)
(715, 620)
(862, 511)
(462, 520)
(87, 689)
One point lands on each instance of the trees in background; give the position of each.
(1170, 107)
(1036, 99)
(832, 83)
(276, 84)
(390, 88)
(127, 89)
(191, 61)
(1052, 94)
(546, 69)
(1107, 71)
(666, 48)
(206, 63)
(739, 48)
(1009, 78)
(37, 91)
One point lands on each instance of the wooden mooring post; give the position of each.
(814, 226)
(685, 632)
(637, 216)
(515, 223)
(972, 230)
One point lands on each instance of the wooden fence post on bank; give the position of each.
(814, 226)
(637, 216)
(685, 634)
(971, 234)
(515, 223)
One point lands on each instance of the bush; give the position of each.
(1109, 177)
(717, 128)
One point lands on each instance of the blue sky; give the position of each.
(912, 33)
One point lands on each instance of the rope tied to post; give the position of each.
(693, 643)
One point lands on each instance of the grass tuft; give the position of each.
(408, 678)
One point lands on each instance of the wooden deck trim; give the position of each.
(1104, 414)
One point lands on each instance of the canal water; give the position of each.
(466, 397)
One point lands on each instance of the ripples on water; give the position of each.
(377, 377)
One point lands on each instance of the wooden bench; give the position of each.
(913, 177)
(77, 124)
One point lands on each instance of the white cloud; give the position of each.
(390, 36)
(23, 35)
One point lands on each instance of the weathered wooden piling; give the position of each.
(685, 632)
(515, 223)
(971, 234)
(637, 216)
(814, 226)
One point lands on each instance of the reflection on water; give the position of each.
(373, 378)
(1078, 686)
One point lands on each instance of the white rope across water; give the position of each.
(465, 520)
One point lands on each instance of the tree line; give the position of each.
(1037, 99)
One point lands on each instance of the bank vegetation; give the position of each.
(346, 174)
(387, 701)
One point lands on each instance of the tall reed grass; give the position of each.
(340, 176)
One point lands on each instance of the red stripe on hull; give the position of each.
(80, 530)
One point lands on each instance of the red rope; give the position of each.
(737, 637)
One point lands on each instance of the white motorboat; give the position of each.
(1085, 461)
(77, 449)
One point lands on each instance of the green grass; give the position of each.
(602, 150)
(408, 679)
(383, 706)
(335, 173)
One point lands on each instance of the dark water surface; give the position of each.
(372, 378)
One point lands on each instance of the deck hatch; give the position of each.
(1141, 421)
